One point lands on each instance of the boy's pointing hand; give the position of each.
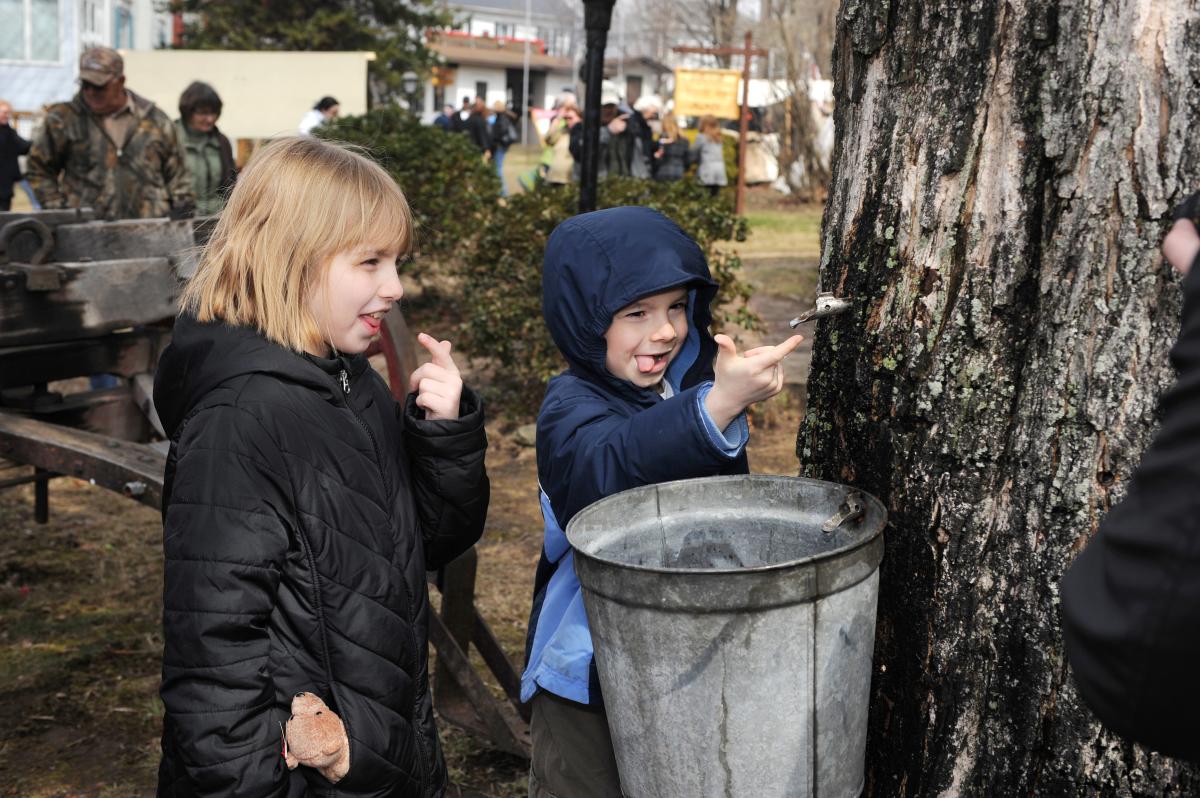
(437, 383)
(741, 380)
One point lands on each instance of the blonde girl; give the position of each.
(302, 505)
(708, 152)
(670, 159)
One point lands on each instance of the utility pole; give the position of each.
(524, 109)
(747, 52)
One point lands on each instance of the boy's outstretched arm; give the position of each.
(587, 451)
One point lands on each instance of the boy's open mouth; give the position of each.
(648, 364)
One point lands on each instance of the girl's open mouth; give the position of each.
(372, 322)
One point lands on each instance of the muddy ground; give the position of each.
(80, 637)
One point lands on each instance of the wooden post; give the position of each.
(739, 204)
(748, 51)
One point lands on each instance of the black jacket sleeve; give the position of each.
(1131, 600)
(450, 482)
(225, 536)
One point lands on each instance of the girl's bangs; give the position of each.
(374, 215)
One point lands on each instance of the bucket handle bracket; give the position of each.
(852, 509)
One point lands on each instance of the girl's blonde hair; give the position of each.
(709, 126)
(670, 127)
(298, 203)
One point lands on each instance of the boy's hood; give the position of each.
(203, 355)
(597, 263)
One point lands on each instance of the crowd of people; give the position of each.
(635, 141)
(115, 151)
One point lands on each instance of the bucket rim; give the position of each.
(810, 559)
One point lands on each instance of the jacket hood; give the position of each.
(204, 355)
(597, 263)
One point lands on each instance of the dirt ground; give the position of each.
(80, 597)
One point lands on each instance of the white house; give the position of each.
(41, 40)
(485, 53)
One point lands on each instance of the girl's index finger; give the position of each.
(439, 351)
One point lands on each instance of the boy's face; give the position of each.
(645, 337)
(348, 305)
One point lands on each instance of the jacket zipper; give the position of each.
(344, 378)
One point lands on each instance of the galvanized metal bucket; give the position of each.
(733, 620)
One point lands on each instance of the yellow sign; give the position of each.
(707, 91)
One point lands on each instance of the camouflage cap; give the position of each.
(99, 65)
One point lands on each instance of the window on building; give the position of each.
(122, 27)
(505, 29)
(89, 20)
(481, 89)
(35, 35)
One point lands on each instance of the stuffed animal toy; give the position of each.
(316, 738)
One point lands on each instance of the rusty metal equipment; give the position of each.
(80, 297)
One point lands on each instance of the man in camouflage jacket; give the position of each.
(109, 149)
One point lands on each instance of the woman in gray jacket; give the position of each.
(708, 152)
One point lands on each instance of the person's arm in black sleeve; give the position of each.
(1131, 600)
(450, 483)
(224, 540)
(576, 142)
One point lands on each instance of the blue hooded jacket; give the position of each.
(598, 434)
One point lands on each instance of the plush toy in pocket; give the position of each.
(315, 737)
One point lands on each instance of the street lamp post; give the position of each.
(597, 17)
(409, 82)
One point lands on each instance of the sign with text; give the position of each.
(707, 91)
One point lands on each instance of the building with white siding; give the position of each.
(41, 40)
(485, 53)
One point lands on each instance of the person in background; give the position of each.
(1131, 599)
(560, 166)
(11, 146)
(326, 110)
(708, 152)
(477, 127)
(503, 134)
(616, 142)
(209, 153)
(459, 123)
(642, 118)
(670, 159)
(445, 120)
(110, 149)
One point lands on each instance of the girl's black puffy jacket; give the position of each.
(301, 508)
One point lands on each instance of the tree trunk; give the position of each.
(1003, 177)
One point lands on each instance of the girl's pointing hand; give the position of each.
(437, 383)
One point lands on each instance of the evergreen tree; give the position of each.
(392, 29)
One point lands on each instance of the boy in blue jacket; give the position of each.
(626, 296)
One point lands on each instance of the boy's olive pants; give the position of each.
(572, 751)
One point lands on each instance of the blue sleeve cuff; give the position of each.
(732, 439)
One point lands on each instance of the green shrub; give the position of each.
(502, 278)
(451, 190)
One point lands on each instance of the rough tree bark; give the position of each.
(1002, 179)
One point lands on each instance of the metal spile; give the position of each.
(827, 305)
